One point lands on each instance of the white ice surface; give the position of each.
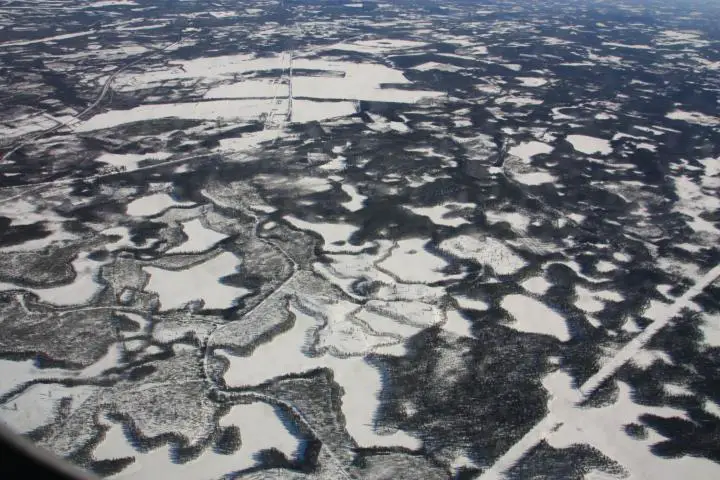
(107, 3)
(438, 213)
(534, 178)
(54, 38)
(590, 145)
(153, 204)
(527, 150)
(200, 238)
(410, 262)
(694, 117)
(201, 282)
(377, 46)
(622, 257)
(603, 266)
(517, 220)
(586, 301)
(710, 327)
(310, 110)
(357, 200)
(248, 141)
(531, 81)
(249, 89)
(209, 110)
(335, 235)
(471, 303)
(536, 285)
(361, 82)
(457, 324)
(443, 67)
(533, 316)
(518, 101)
(695, 200)
(628, 45)
(15, 374)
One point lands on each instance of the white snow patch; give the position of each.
(249, 141)
(411, 262)
(601, 428)
(519, 101)
(130, 161)
(678, 390)
(200, 238)
(457, 324)
(335, 235)
(534, 178)
(646, 357)
(467, 303)
(512, 66)
(536, 285)
(694, 117)
(107, 3)
(487, 251)
(249, 89)
(310, 110)
(54, 38)
(15, 374)
(622, 257)
(712, 408)
(625, 45)
(533, 316)
(176, 288)
(590, 145)
(438, 213)
(603, 266)
(693, 202)
(261, 429)
(360, 381)
(517, 220)
(586, 300)
(223, 14)
(153, 204)
(710, 327)
(712, 166)
(362, 81)
(210, 110)
(384, 325)
(442, 67)
(527, 150)
(531, 81)
(378, 46)
(357, 200)
(82, 289)
(37, 405)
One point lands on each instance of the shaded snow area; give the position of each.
(362, 240)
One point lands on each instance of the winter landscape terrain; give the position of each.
(373, 240)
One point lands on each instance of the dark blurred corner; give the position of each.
(20, 458)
